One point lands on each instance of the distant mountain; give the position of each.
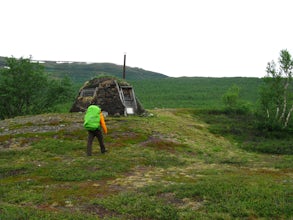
(79, 72)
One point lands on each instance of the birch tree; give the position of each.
(276, 96)
(26, 89)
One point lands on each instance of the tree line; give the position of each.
(27, 89)
(275, 106)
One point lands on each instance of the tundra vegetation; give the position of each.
(213, 161)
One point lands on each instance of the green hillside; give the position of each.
(193, 92)
(178, 164)
(79, 72)
(159, 91)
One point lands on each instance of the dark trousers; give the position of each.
(91, 135)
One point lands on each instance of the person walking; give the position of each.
(94, 122)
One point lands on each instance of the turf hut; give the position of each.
(115, 98)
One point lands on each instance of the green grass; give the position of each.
(185, 92)
(9, 212)
(193, 92)
(235, 195)
(135, 205)
(178, 164)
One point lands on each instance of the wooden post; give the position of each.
(124, 66)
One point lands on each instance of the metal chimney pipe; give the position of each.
(124, 66)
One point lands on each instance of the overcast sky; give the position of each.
(211, 38)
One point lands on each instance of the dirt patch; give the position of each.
(139, 177)
(17, 143)
(124, 135)
(170, 198)
(160, 143)
(65, 197)
(184, 203)
(120, 139)
(12, 173)
(100, 211)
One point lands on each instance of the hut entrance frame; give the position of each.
(129, 99)
(89, 92)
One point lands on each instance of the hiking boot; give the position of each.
(104, 151)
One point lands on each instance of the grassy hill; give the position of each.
(174, 165)
(79, 72)
(193, 92)
(156, 90)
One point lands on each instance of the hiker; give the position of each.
(93, 122)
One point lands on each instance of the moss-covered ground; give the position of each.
(172, 165)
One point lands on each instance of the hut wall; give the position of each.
(107, 97)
